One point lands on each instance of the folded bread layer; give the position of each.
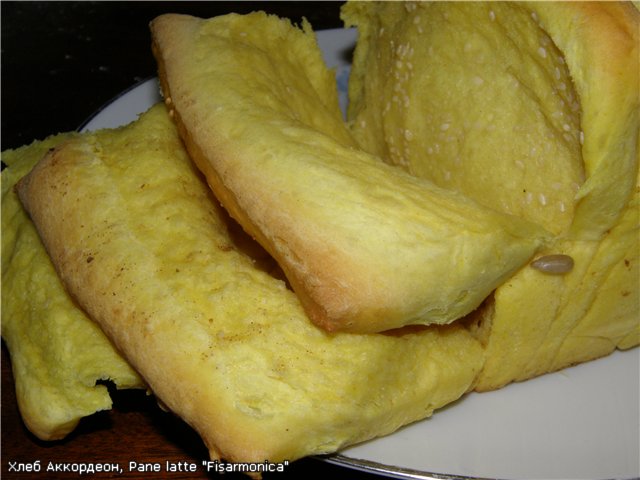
(366, 246)
(141, 244)
(601, 45)
(480, 79)
(473, 96)
(57, 353)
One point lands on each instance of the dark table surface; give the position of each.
(62, 61)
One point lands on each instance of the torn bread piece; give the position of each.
(139, 241)
(57, 353)
(366, 246)
(531, 109)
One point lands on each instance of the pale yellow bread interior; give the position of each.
(531, 109)
(57, 353)
(365, 246)
(139, 241)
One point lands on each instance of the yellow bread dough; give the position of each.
(57, 352)
(475, 97)
(531, 109)
(365, 246)
(585, 314)
(140, 242)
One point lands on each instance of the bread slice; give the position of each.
(365, 246)
(57, 352)
(534, 108)
(144, 248)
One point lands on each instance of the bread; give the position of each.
(531, 109)
(57, 353)
(365, 246)
(142, 245)
(144, 248)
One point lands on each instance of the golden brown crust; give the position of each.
(365, 246)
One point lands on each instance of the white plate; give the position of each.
(582, 422)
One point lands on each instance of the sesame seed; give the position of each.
(542, 52)
(444, 127)
(581, 137)
(410, 7)
(408, 135)
(562, 207)
(492, 15)
(542, 199)
(566, 127)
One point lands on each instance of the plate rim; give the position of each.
(96, 113)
